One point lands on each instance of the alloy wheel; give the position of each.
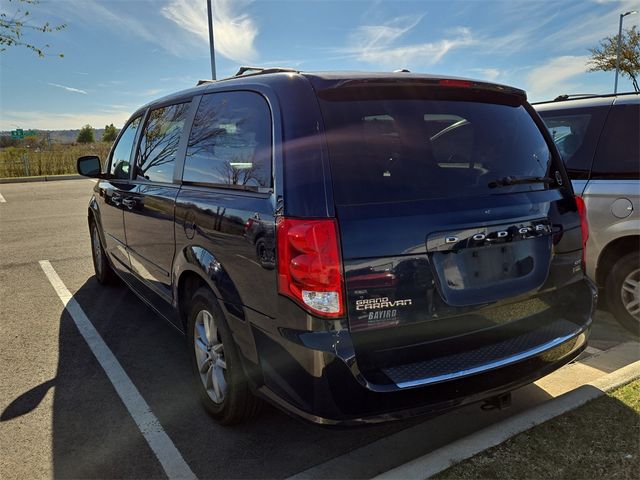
(97, 249)
(630, 293)
(210, 359)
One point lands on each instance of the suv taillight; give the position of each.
(309, 264)
(584, 227)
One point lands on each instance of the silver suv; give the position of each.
(598, 138)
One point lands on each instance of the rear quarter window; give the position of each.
(576, 132)
(618, 153)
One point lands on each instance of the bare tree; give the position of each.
(159, 144)
(13, 28)
(234, 175)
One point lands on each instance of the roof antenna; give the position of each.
(211, 44)
(402, 70)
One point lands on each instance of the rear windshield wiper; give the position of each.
(506, 181)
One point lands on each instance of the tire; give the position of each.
(622, 290)
(265, 256)
(217, 372)
(101, 266)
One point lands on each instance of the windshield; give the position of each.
(405, 149)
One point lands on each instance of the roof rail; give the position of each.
(263, 70)
(250, 71)
(562, 98)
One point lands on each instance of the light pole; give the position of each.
(211, 44)
(622, 15)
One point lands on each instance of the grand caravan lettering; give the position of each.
(380, 302)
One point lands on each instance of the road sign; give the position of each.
(17, 134)
(30, 133)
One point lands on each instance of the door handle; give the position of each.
(129, 202)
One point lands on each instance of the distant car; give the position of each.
(599, 140)
(351, 247)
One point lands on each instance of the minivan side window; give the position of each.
(159, 143)
(575, 133)
(121, 157)
(230, 142)
(618, 154)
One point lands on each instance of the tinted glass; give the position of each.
(618, 153)
(160, 141)
(121, 157)
(230, 141)
(576, 132)
(404, 149)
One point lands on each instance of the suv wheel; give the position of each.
(218, 373)
(623, 291)
(101, 266)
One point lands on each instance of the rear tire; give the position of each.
(217, 370)
(622, 290)
(101, 266)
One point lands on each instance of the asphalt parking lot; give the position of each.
(59, 412)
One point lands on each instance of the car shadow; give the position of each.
(95, 437)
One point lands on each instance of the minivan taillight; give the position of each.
(309, 264)
(584, 227)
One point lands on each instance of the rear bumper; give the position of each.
(340, 401)
(316, 376)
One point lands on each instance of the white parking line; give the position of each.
(2, 200)
(248, 259)
(164, 449)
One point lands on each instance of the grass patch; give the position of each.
(59, 160)
(601, 439)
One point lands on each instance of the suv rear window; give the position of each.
(409, 149)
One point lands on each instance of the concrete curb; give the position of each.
(442, 458)
(43, 178)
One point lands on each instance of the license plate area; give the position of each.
(478, 266)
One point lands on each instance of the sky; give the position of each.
(121, 54)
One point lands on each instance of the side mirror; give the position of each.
(89, 166)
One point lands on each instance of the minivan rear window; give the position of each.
(409, 149)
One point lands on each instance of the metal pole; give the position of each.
(211, 44)
(615, 85)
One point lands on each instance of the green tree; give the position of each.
(603, 57)
(86, 135)
(110, 133)
(13, 27)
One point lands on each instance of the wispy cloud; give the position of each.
(556, 77)
(68, 89)
(151, 92)
(489, 74)
(91, 12)
(382, 44)
(42, 120)
(587, 29)
(235, 30)
(121, 17)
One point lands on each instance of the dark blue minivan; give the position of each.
(351, 247)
